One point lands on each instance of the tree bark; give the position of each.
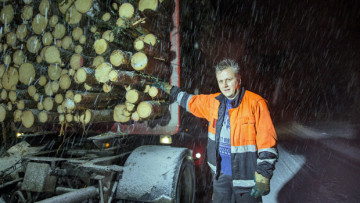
(47, 117)
(134, 96)
(118, 77)
(159, 50)
(95, 98)
(17, 115)
(148, 65)
(156, 93)
(151, 109)
(120, 59)
(85, 75)
(4, 115)
(96, 116)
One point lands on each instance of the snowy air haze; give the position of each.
(303, 57)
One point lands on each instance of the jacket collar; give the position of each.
(235, 102)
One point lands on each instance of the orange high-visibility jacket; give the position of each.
(252, 134)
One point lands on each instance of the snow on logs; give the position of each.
(56, 67)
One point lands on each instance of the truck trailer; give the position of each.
(145, 160)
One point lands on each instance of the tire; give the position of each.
(185, 187)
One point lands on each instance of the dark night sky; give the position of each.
(302, 56)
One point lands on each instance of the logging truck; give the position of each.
(80, 120)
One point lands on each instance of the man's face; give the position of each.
(229, 82)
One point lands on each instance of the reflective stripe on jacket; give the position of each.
(252, 134)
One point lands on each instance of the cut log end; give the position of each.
(117, 58)
(135, 117)
(83, 6)
(48, 103)
(42, 80)
(32, 90)
(52, 55)
(76, 61)
(150, 109)
(27, 73)
(27, 119)
(65, 82)
(107, 88)
(126, 11)
(132, 96)
(108, 35)
(102, 72)
(100, 46)
(17, 115)
(148, 4)
(59, 98)
(43, 117)
(150, 39)
(139, 61)
(85, 117)
(153, 91)
(118, 114)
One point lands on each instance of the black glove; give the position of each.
(164, 86)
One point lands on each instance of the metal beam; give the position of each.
(76, 196)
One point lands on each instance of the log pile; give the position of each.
(77, 61)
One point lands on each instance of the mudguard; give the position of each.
(151, 174)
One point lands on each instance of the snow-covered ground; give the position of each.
(318, 163)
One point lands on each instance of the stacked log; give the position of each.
(58, 68)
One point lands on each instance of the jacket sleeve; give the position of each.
(198, 105)
(266, 139)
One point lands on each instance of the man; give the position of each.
(241, 147)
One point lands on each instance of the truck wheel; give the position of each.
(185, 188)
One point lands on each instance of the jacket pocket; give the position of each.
(248, 132)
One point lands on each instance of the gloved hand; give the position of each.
(262, 186)
(164, 86)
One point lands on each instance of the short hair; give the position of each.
(226, 63)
